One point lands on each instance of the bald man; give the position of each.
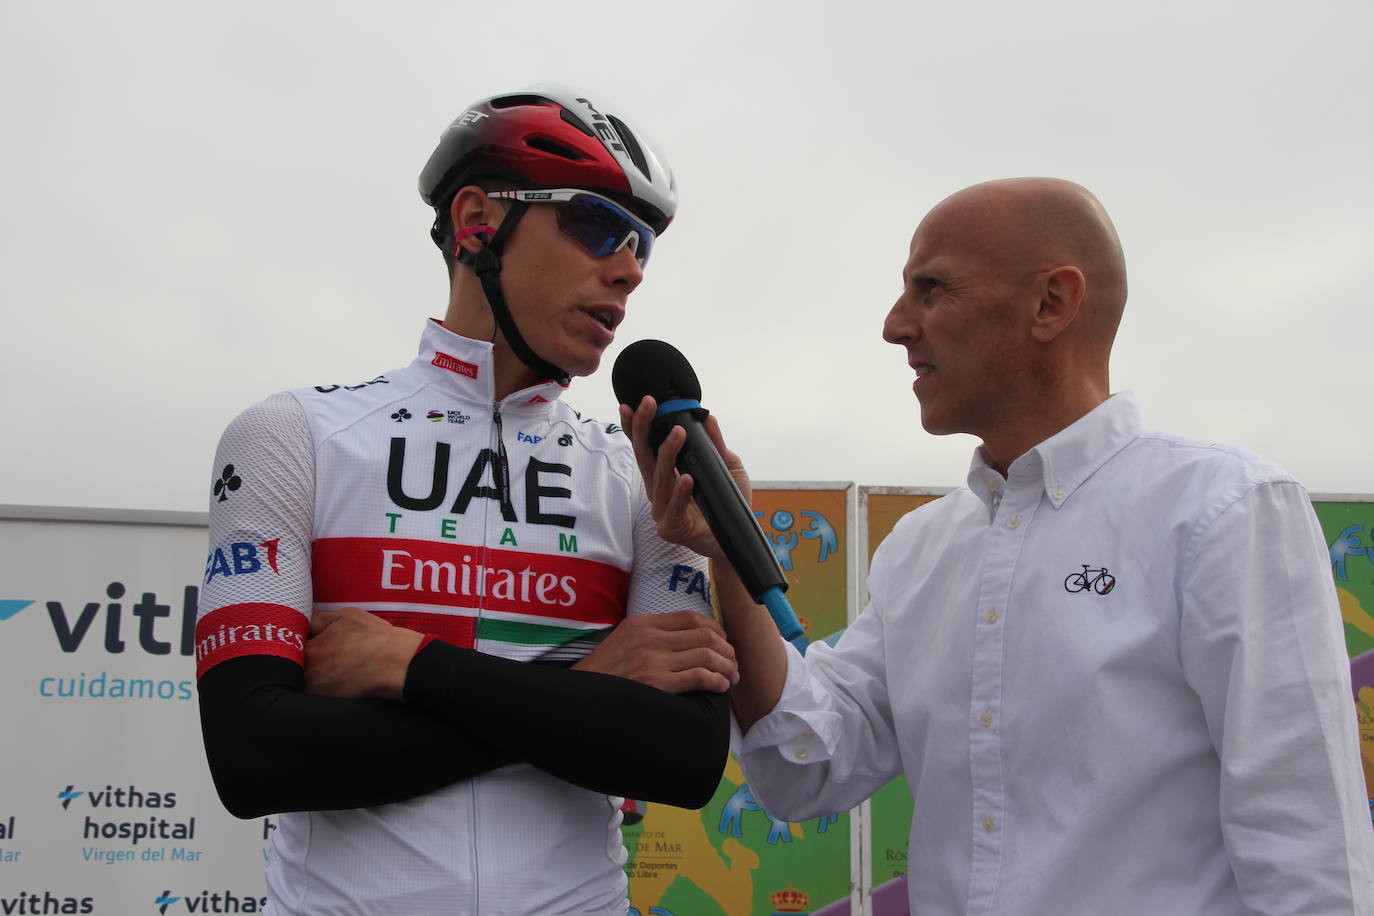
(1111, 666)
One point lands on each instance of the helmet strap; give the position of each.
(480, 229)
(486, 262)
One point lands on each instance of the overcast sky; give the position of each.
(203, 204)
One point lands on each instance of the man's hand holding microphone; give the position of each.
(700, 493)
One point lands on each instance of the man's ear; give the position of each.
(471, 207)
(1061, 297)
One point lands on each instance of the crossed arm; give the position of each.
(363, 723)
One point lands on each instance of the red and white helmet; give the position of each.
(549, 136)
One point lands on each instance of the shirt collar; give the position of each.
(464, 368)
(1064, 461)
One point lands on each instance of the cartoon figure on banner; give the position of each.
(779, 831)
(822, 531)
(784, 540)
(731, 815)
(1346, 545)
(781, 541)
(653, 911)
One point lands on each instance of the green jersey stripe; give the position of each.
(534, 634)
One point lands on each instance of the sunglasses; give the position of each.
(599, 225)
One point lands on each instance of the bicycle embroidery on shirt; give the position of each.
(1099, 580)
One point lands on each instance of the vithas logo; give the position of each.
(112, 797)
(210, 902)
(152, 827)
(29, 903)
(153, 634)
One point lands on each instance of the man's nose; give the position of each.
(622, 268)
(901, 327)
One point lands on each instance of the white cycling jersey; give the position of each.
(517, 528)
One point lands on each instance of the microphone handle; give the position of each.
(721, 503)
(743, 542)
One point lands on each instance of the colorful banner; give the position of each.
(890, 808)
(1349, 529)
(107, 806)
(732, 858)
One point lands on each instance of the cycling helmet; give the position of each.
(546, 136)
(550, 136)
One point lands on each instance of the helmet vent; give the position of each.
(554, 148)
(575, 121)
(631, 145)
(511, 101)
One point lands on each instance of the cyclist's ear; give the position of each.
(472, 207)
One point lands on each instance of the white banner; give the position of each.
(107, 805)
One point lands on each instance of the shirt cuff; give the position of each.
(793, 727)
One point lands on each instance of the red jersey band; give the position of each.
(250, 629)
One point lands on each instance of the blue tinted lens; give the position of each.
(602, 228)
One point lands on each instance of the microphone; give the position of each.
(658, 369)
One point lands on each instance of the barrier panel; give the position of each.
(107, 806)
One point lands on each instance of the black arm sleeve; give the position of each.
(600, 732)
(273, 748)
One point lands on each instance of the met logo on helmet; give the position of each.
(470, 117)
(604, 128)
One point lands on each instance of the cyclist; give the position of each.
(438, 630)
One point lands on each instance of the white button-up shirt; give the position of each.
(1116, 682)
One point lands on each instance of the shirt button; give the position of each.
(801, 753)
(810, 734)
(994, 484)
(985, 719)
(1057, 494)
(1014, 522)
(992, 616)
(989, 824)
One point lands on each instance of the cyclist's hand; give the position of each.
(679, 520)
(352, 653)
(676, 652)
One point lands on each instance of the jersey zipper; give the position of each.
(502, 467)
(501, 471)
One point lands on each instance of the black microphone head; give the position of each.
(654, 368)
